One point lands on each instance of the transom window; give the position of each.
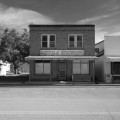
(75, 40)
(48, 40)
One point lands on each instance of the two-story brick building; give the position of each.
(62, 53)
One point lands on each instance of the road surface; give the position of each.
(60, 103)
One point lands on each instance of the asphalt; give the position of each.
(60, 103)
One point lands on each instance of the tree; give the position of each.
(14, 47)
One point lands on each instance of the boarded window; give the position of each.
(42, 67)
(76, 67)
(38, 68)
(84, 68)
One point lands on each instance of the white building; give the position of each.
(108, 62)
(4, 67)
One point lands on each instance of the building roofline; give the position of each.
(62, 25)
(99, 42)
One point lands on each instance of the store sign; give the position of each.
(61, 52)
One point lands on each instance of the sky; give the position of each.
(105, 14)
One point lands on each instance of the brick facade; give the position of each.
(62, 32)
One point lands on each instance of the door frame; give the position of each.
(65, 61)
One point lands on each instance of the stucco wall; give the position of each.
(112, 45)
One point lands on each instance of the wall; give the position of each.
(99, 69)
(112, 45)
(100, 45)
(24, 68)
(62, 33)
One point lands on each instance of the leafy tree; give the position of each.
(14, 47)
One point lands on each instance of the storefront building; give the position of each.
(62, 53)
(108, 62)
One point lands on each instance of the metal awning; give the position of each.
(114, 58)
(60, 57)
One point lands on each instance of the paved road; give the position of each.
(60, 103)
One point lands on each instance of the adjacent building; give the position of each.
(108, 62)
(62, 53)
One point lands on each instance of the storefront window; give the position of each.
(80, 67)
(115, 68)
(42, 67)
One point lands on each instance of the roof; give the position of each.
(62, 25)
(99, 42)
(60, 57)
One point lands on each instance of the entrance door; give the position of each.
(61, 70)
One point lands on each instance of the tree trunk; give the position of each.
(15, 70)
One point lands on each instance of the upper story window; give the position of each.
(75, 40)
(48, 40)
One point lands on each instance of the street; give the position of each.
(60, 103)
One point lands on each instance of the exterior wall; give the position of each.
(69, 70)
(62, 32)
(112, 45)
(54, 70)
(112, 48)
(24, 68)
(62, 38)
(99, 69)
(100, 45)
(107, 72)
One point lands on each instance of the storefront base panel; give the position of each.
(82, 78)
(116, 79)
(74, 78)
(40, 78)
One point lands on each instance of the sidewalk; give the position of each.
(56, 84)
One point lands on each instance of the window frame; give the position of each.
(48, 40)
(75, 40)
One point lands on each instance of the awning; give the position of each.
(60, 57)
(114, 58)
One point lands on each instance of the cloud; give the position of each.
(112, 5)
(108, 24)
(92, 20)
(14, 17)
